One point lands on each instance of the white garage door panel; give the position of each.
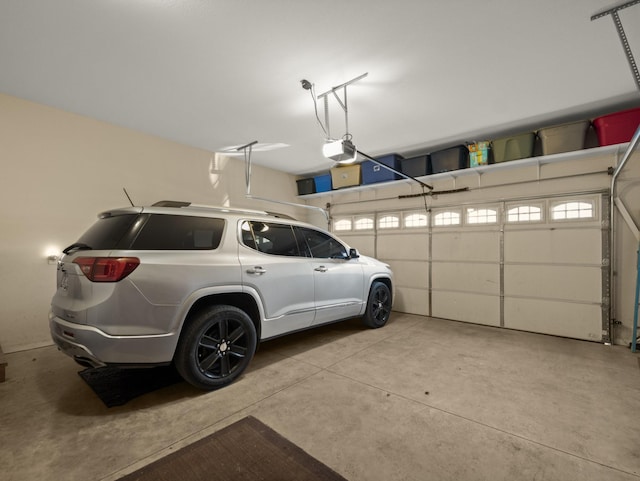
(573, 283)
(412, 301)
(568, 246)
(410, 273)
(481, 278)
(579, 321)
(402, 247)
(468, 246)
(366, 244)
(466, 307)
(545, 273)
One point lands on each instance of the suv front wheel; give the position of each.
(378, 305)
(215, 347)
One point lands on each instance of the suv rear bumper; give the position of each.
(73, 339)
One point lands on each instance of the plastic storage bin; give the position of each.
(513, 148)
(446, 160)
(373, 173)
(478, 154)
(563, 138)
(415, 166)
(345, 176)
(306, 186)
(617, 128)
(322, 182)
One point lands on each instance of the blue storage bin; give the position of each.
(322, 182)
(373, 173)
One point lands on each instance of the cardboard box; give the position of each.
(345, 176)
(479, 154)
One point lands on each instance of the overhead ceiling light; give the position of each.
(341, 151)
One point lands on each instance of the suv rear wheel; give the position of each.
(215, 347)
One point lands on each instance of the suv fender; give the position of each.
(233, 295)
(386, 280)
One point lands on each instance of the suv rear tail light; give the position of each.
(107, 269)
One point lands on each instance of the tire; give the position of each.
(215, 347)
(378, 306)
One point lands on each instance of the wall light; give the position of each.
(52, 254)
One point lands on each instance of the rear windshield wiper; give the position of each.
(77, 246)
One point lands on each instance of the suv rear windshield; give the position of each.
(108, 232)
(154, 232)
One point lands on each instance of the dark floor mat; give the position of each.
(247, 450)
(115, 386)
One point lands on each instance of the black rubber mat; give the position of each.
(115, 386)
(247, 450)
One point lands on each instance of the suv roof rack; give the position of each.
(171, 203)
(180, 204)
(281, 216)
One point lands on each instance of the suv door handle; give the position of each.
(256, 270)
(321, 269)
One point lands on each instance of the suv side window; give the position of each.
(179, 232)
(321, 245)
(270, 238)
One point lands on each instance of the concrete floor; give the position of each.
(418, 399)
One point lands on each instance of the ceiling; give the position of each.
(219, 73)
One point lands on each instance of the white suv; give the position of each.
(199, 286)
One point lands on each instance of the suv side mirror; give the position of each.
(353, 253)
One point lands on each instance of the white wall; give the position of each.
(59, 170)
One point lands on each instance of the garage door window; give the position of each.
(363, 223)
(412, 220)
(573, 210)
(342, 225)
(391, 221)
(445, 218)
(524, 213)
(481, 216)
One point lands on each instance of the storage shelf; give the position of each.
(539, 161)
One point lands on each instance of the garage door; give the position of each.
(537, 264)
(556, 268)
(465, 264)
(402, 240)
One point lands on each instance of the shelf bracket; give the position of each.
(613, 11)
(325, 97)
